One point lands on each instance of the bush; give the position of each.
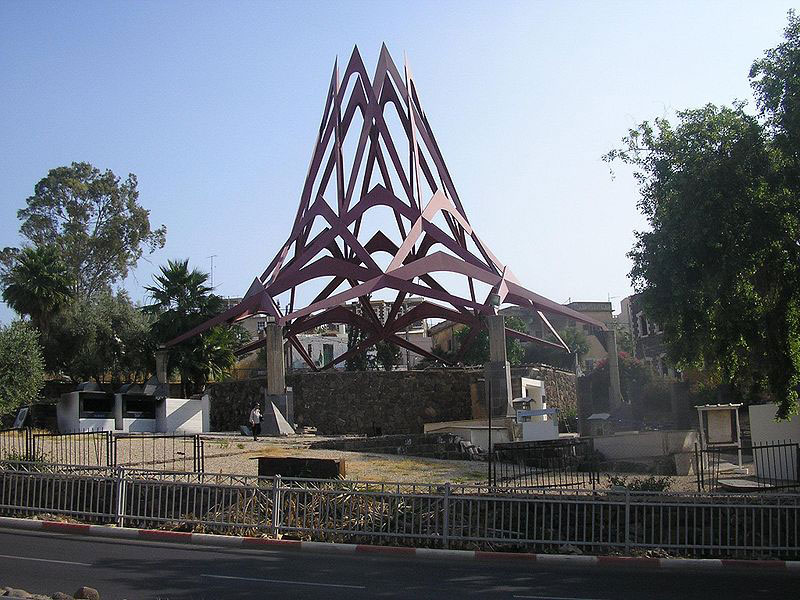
(641, 484)
(21, 366)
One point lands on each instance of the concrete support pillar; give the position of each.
(276, 376)
(585, 404)
(614, 387)
(497, 370)
(162, 366)
(276, 373)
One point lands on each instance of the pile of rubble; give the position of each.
(84, 593)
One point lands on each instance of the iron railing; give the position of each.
(155, 451)
(772, 466)
(444, 516)
(168, 452)
(15, 444)
(543, 464)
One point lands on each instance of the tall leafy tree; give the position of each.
(38, 285)
(478, 351)
(387, 355)
(106, 338)
(720, 265)
(361, 361)
(95, 221)
(182, 300)
(21, 366)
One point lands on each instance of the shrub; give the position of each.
(21, 366)
(641, 484)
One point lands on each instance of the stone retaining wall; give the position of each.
(376, 402)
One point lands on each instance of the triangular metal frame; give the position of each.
(417, 192)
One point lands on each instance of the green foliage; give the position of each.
(95, 221)
(21, 366)
(477, 352)
(625, 342)
(387, 355)
(635, 377)
(360, 361)
(576, 340)
(720, 267)
(641, 484)
(182, 301)
(37, 285)
(103, 336)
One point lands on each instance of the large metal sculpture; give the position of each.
(360, 164)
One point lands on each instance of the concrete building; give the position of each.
(383, 308)
(321, 347)
(648, 336)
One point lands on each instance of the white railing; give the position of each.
(444, 516)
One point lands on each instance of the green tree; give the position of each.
(477, 352)
(181, 301)
(720, 267)
(387, 355)
(361, 361)
(625, 342)
(21, 366)
(95, 221)
(37, 285)
(101, 338)
(576, 340)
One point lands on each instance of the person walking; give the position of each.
(255, 421)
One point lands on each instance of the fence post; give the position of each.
(276, 506)
(121, 489)
(446, 517)
(627, 521)
(30, 445)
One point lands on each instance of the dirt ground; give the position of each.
(236, 454)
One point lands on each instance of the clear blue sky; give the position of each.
(215, 106)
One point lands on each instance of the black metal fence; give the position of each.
(159, 452)
(163, 452)
(544, 464)
(15, 444)
(85, 448)
(767, 466)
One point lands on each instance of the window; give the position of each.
(642, 325)
(96, 405)
(261, 326)
(327, 353)
(138, 407)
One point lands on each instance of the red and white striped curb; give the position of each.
(230, 541)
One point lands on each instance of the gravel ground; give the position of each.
(365, 466)
(236, 454)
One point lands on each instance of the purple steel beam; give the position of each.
(426, 190)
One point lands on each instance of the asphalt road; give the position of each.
(45, 563)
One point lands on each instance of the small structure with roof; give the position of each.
(719, 427)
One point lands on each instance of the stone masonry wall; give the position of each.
(375, 402)
(559, 385)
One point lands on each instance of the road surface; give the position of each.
(46, 563)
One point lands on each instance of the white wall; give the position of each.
(645, 444)
(764, 428)
(780, 463)
(187, 415)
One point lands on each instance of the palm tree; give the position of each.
(38, 285)
(183, 300)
